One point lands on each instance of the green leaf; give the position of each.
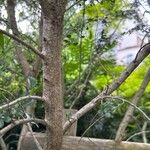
(1, 123)
(32, 81)
(1, 41)
(7, 119)
(13, 111)
(108, 115)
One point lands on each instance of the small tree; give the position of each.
(51, 34)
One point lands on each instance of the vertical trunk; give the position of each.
(53, 13)
(21, 58)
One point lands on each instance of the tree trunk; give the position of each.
(53, 13)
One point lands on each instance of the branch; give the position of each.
(6, 106)
(11, 5)
(2, 144)
(136, 107)
(129, 113)
(4, 21)
(18, 122)
(144, 134)
(67, 9)
(23, 43)
(39, 147)
(137, 134)
(141, 55)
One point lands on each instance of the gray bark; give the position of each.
(53, 13)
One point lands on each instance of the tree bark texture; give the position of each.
(53, 13)
(78, 143)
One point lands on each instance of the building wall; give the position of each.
(127, 48)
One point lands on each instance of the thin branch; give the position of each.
(8, 105)
(139, 133)
(11, 5)
(144, 134)
(90, 126)
(129, 112)
(34, 138)
(140, 110)
(67, 9)
(81, 90)
(2, 144)
(2, 89)
(23, 43)
(4, 21)
(18, 122)
(141, 55)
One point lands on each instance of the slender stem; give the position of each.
(8, 105)
(18, 122)
(23, 43)
(141, 55)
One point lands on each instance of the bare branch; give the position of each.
(2, 144)
(6, 106)
(134, 106)
(129, 112)
(141, 55)
(34, 138)
(67, 9)
(18, 122)
(144, 133)
(137, 134)
(21, 58)
(23, 43)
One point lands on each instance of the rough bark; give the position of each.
(53, 13)
(129, 113)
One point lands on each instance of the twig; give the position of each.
(91, 126)
(6, 106)
(137, 134)
(144, 134)
(35, 139)
(2, 89)
(140, 110)
(115, 85)
(23, 43)
(129, 112)
(81, 90)
(73, 5)
(18, 122)
(2, 144)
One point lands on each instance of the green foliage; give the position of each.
(88, 66)
(1, 41)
